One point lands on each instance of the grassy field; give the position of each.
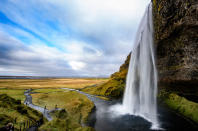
(16, 87)
(14, 93)
(76, 107)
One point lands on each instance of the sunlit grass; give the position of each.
(69, 100)
(48, 90)
(11, 110)
(76, 83)
(16, 94)
(77, 106)
(183, 106)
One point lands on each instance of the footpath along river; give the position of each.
(28, 102)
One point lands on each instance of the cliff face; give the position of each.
(176, 39)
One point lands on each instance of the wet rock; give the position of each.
(176, 39)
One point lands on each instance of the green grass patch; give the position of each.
(17, 94)
(181, 105)
(63, 122)
(48, 90)
(112, 88)
(12, 110)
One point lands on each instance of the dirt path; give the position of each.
(28, 102)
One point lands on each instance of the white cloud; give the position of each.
(77, 65)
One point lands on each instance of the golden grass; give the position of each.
(76, 83)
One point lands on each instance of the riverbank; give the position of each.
(179, 104)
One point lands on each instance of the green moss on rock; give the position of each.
(181, 105)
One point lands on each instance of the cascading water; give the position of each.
(141, 86)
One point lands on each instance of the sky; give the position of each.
(83, 38)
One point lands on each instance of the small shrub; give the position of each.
(62, 114)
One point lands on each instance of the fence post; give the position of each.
(44, 110)
(24, 126)
(29, 124)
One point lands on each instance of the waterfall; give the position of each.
(141, 85)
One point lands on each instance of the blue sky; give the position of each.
(67, 37)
